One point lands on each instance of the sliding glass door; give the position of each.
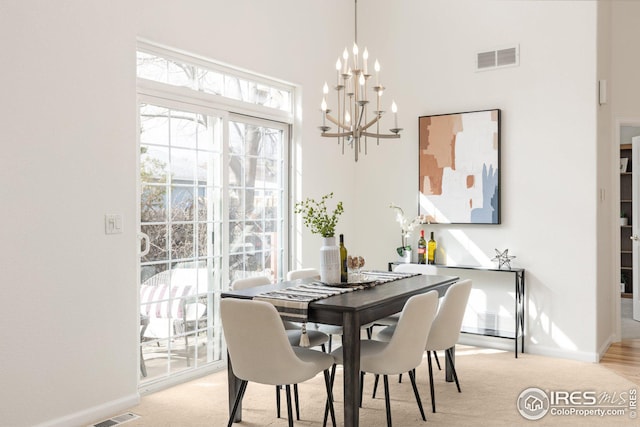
(213, 147)
(181, 219)
(257, 186)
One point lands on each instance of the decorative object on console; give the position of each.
(316, 217)
(355, 264)
(406, 227)
(351, 117)
(459, 167)
(503, 259)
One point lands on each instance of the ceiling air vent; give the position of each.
(498, 58)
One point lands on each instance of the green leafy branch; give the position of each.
(316, 217)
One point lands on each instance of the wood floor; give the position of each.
(624, 359)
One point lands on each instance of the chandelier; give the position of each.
(353, 119)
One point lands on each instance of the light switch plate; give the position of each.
(112, 224)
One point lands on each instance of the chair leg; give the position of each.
(435, 353)
(289, 410)
(186, 347)
(447, 354)
(375, 386)
(278, 388)
(330, 339)
(243, 388)
(431, 388)
(387, 401)
(297, 401)
(361, 386)
(412, 376)
(143, 366)
(326, 405)
(328, 381)
(324, 349)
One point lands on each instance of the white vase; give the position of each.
(406, 259)
(329, 261)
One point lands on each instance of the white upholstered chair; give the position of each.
(260, 352)
(403, 352)
(293, 330)
(303, 273)
(445, 330)
(316, 338)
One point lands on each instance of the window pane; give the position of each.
(216, 80)
(182, 203)
(184, 128)
(210, 81)
(179, 74)
(152, 67)
(182, 241)
(154, 125)
(157, 242)
(183, 166)
(153, 203)
(154, 162)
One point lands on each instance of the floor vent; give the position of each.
(114, 421)
(498, 58)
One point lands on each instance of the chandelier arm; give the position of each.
(379, 135)
(373, 121)
(337, 123)
(337, 135)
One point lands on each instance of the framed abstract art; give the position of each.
(459, 167)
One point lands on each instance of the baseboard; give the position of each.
(95, 413)
(605, 346)
(486, 341)
(509, 345)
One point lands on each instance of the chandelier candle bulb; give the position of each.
(355, 56)
(365, 56)
(345, 56)
(394, 110)
(376, 66)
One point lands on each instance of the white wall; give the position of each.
(549, 110)
(68, 120)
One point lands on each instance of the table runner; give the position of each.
(293, 302)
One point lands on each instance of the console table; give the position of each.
(519, 314)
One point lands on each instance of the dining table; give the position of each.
(351, 310)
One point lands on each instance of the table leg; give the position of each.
(234, 385)
(448, 369)
(351, 360)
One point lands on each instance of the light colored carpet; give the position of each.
(630, 328)
(491, 382)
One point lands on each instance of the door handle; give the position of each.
(147, 246)
(634, 237)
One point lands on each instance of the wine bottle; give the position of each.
(344, 274)
(431, 250)
(422, 249)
